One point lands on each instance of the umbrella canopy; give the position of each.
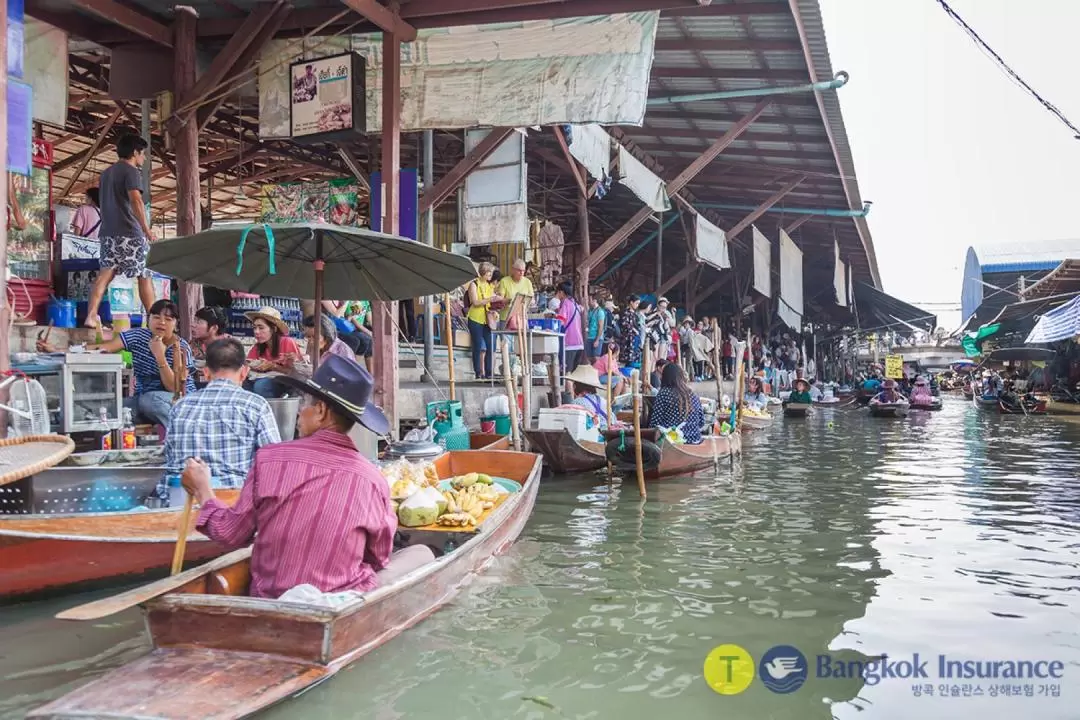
(359, 264)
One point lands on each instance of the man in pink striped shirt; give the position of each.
(318, 511)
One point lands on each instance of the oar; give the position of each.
(181, 538)
(144, 593)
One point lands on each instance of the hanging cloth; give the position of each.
(551, 243)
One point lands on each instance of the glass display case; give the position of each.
(93, 391)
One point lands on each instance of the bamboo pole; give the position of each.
(610, 379)
(638, 461)
(525, 358)
(448, 331)
(646, 365)
(508, 380)
(718, 375)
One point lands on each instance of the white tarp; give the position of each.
(590, 145)
(711, 244)
(503, 75)
(45, 68)
(642, 181)
(490, 224)
(839, 277)
(496, 201)
(762, 263)
(790, 307)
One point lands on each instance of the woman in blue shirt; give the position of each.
(596, 331)
(676, 406)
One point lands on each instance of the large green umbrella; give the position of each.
(311, 261)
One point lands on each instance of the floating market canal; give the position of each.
(946, 534)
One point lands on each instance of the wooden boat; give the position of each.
(565, 455)
(1061, 407)
(1031, 406)
(891, 410)
(755, 422)
(488, 441)
(931, 407)
(863, 396)
(796, 410)
(836, 403)
(220, 654)
(986, 403)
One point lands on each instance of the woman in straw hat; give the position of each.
(586, 386)
(800, 392)
(274, 350)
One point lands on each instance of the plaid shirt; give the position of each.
(224, 425)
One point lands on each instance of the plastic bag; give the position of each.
(405, 478)
(420, 434)
(417, 510)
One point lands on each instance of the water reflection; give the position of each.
(952, 532)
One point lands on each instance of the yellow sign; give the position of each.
(729, 669)
(894, 366)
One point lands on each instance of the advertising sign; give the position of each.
(327, 98)
(894, 367)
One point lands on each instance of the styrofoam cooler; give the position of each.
(576, 422)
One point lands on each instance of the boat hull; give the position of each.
(889, 410)
(796, 410)
(565, 455)
(932, 407)
(222, 657)
(755, 422)
(1055, 407)
(683, 460)
(842, 402)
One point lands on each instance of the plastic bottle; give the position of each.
(128, 439)
(177, 493)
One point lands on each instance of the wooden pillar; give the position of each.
(586, 250)
(384, 314)
(186, 146)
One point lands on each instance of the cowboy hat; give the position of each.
(585, 375)
(346, 386)
(269, 315)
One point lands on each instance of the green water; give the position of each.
(950, 533)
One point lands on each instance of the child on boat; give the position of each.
(618, 380)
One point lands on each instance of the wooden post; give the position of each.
(586, 246)
(525, 357)
(716, 362)
(638, 462)
(508, 379)
(385, 314)
(555, 391)
(610, 364)
(646, 365)
(5, 308)
(186, 147)
(448, 324)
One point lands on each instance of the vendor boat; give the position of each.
(755, 422)
(890, 410)
(986, 402)
(796, 410)
(48, 550)
(218, 653)
(932, 406)
(1055, 406)
(566, 455)
(1009, 404)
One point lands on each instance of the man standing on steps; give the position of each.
(125, 232)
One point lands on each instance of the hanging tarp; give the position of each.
(839, 277)
(642, 181)
(1061, 323)
(711, 244)
(501, 75)
(762, 263)
(590, 145)
(496, 207)
(46, 70)
(790, 307)
(878, 310)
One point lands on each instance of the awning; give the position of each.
(879, 311)
(1020, 354)
(1026, 312)
(1061, 323)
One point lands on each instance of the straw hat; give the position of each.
(269, 315)
(805, 383)
(889, 384)
(921, 381)
(585, 375)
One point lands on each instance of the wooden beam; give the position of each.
(452, 180)
(575, 170)
(798, 223)
(186, 150)
(247, 58)
(729, 9)
(128, 19)
(85, 156)
(384, 18)
(725, 45)
(623, 233)
(666, 149)
(354, 166)
(710, 73)
(764, 207)
(714, 288)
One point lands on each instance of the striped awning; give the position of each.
(1061, 323)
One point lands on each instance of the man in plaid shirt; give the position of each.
(222, 424)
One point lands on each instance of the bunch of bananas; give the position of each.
(457, 519)
(465, 501)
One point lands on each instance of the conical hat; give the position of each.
(585, 375)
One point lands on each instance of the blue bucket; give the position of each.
(61, 312)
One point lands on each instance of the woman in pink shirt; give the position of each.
(617, 379)
(570, 314)
(87, 218)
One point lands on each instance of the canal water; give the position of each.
(840, 535)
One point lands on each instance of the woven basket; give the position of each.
(22, 457)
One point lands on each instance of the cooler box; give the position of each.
(577, 422)
(552, 324)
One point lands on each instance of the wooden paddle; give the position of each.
(508, 378)
(144, 593)
(179, 381)
(448, 331)
(638, 461)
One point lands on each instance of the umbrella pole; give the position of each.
(317, 337)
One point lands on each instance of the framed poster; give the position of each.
(328, 98)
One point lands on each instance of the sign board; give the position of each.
(20, 122)
(43, 153)
(328, 98)
(894, 367)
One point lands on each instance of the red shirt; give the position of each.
(322, 512)
(287, 348)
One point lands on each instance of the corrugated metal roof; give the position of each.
(1014, 267)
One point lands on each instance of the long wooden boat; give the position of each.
(931, 407)
(889, 410)
(1059, 407)
(1039, 407)
(218, 653)
(755, 422)
(838, 402)
(986, 403)
(488, 441)
(55, 546)
(565, 455)
(796, 410)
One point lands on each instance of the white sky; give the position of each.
(950, 150)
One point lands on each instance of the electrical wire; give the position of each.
(1008, 70)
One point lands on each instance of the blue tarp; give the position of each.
(1061, 323)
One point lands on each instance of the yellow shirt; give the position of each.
(478, 313)
(508, 289)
